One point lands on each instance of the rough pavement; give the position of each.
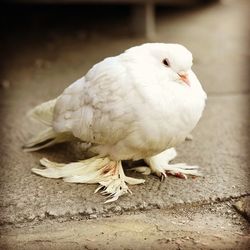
(206, 227)
(40, 63)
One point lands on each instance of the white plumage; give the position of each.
(137, 105)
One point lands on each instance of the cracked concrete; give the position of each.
(243, 207)
(41, 61)
(217, 226)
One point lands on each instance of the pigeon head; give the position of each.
(174, 59)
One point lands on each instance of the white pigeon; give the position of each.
(137, 105)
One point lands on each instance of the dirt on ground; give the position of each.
(216, 226)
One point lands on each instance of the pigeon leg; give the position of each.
(109, 174)
(160, 166)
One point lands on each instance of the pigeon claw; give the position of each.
(178, 175)
(163, 176)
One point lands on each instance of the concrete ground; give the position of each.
(40, 58)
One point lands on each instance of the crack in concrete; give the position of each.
(79, 216)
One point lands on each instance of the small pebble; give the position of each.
(93, 216)
(117, 209)
(178, 242)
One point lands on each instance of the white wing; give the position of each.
(96, 107)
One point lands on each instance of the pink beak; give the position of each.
(184, 78)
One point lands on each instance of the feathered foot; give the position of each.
(159, 165)
(109, 174)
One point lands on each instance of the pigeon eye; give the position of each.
(166, 62)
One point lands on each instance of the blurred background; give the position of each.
(59, 40)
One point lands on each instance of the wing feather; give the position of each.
(95, 107)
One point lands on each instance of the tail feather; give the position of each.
(43, 139)
(43, 114)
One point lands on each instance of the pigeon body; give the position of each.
(132, 106)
